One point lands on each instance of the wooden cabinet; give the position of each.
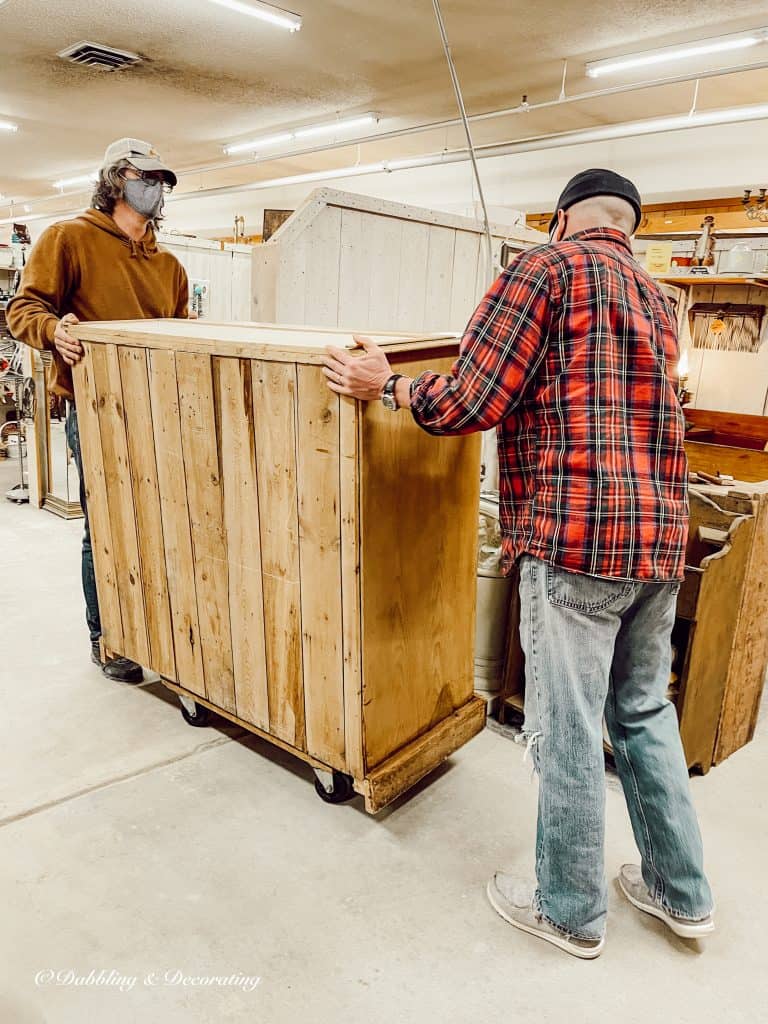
(302, 564)
(722, 442)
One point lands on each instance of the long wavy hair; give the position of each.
(110, 188)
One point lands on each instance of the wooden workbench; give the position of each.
(302, 564)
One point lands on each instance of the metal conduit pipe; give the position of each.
(411, 130)
(419, 129)
(627, 129)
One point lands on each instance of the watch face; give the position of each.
(389, 402)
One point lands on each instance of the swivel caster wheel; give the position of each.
(333, 787)
(193, 713)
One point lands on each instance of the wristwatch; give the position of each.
(388, 394)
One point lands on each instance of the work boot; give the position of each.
(122, 670)
(636, 891)
(512, 899)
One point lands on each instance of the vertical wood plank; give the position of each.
(177, 538)
(319, 533)
(322, 278)
(141, 450)
(355, 271)
(464, 298)
(412, 287)
(349, 495)
(437, 303)
(386, 233)
(122, 516)
(291, 282)
(274, 404)
(241, 286)
(206, 519)
(243, 544)
(264, 276)
(96, 500)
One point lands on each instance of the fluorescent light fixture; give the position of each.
(669, 54)
(8, 126)
(266, 141)
(333, 126)
(380, 167)
(340, 172)
(698, 119)
(325, 128)
(81, 179)
(264, 12)
(627, 129)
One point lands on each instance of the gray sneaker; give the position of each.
(636, 891)
(512, 898)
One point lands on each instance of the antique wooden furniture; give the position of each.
(355, 262)
(721, 631)
(723, 442)
(301, 564)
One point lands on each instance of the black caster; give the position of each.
(195, 714)
(334, 787)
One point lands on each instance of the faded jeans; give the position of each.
(88, 574)
(597, 647)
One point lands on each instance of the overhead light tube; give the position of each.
(81, 179)
(670, 54)
(264, 12)
(306, 131)
(8, 126)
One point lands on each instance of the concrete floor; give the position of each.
(134, 844)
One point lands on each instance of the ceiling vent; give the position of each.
(94, 55)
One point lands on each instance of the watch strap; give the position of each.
(389, 387)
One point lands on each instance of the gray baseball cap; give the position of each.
(142, 155)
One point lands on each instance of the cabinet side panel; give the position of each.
(419, 509)
(149, 525)
(274, 407)
(320, 555)
(177, 537)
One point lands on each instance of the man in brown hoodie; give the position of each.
(103, 265)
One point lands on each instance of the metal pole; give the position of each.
(468, 132)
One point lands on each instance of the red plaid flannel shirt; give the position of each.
(572, 355)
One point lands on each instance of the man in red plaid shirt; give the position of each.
(572, 357)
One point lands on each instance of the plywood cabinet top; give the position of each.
(246, 340)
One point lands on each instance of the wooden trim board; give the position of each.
(321, 198)
(404, 768)
(253, 341)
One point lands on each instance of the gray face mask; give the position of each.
(145, 197)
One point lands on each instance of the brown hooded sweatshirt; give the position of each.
(89, 267)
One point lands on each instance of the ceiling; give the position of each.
(210, 75)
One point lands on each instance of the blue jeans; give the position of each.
(597, 647)
(88, 574)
